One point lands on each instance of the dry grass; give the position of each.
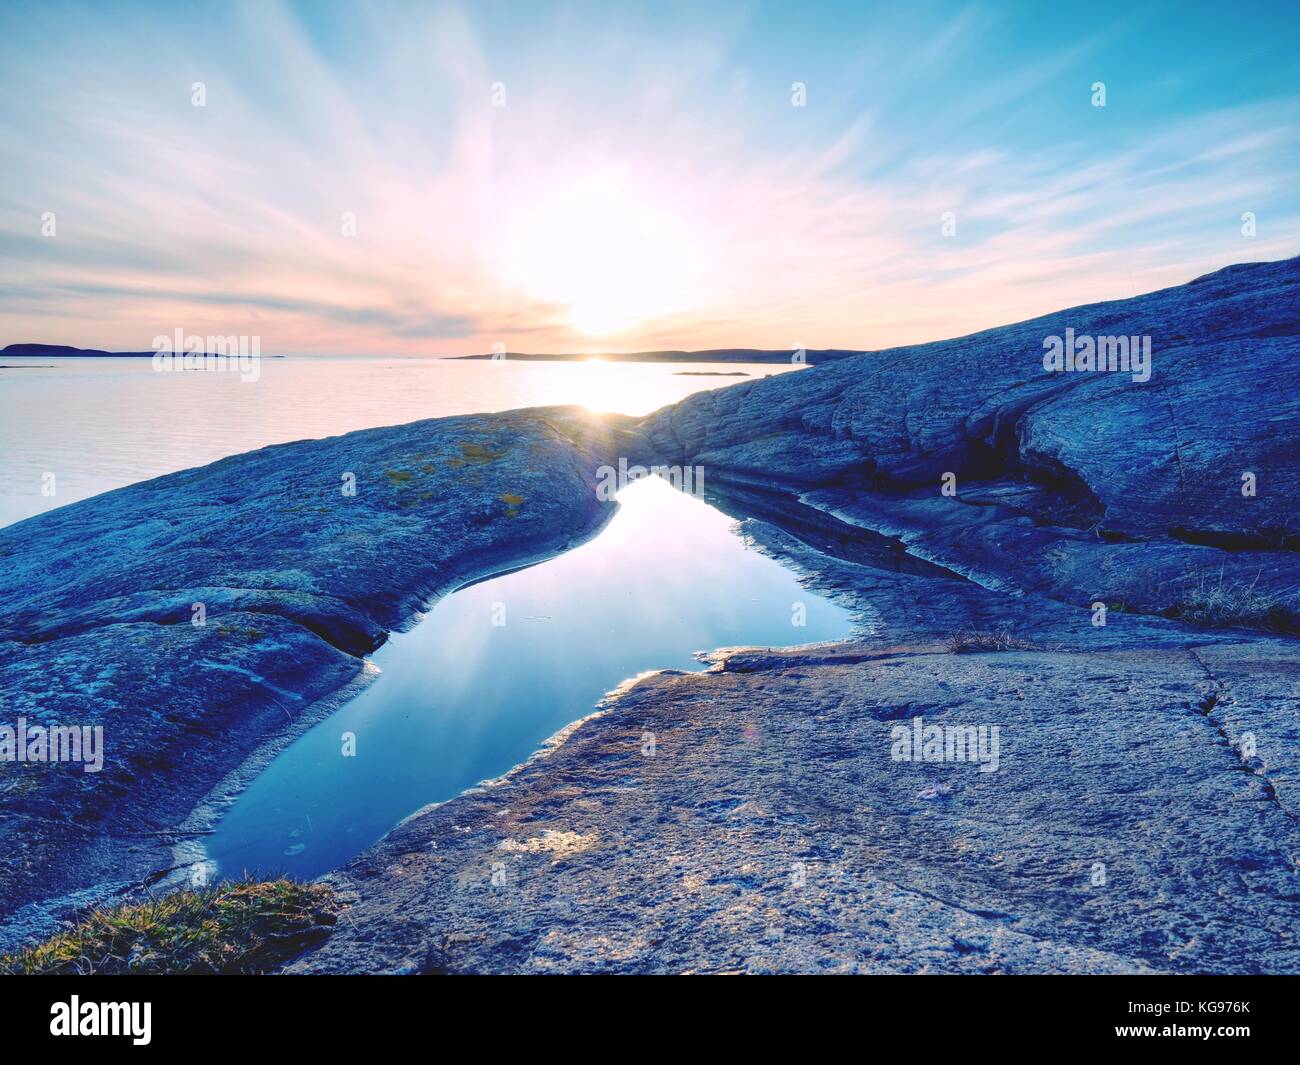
(976, 641)
(246, 926)
(1219, 604)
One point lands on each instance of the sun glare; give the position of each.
(605, 251)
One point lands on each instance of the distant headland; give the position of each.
(785, 355)
(748, 355)
(65, 351)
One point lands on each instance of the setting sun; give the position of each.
(605, 253)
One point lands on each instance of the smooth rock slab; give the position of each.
(772, 831)
(1058, 475)
(298, 580)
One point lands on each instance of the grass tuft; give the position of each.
(245, 926)
(1219, 604)
(974, 641)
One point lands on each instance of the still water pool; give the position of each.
(497, 667)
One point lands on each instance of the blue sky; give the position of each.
(616, 176)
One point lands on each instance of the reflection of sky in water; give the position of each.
(461, 700)
(99, 424)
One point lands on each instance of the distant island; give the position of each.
(811, 356)
(786, 355)
(65, 351)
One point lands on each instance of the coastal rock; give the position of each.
(772, 831)
(297, 560)
(1083, 486)
(1141, 814)
(1134, 822)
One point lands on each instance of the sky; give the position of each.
(394, 178)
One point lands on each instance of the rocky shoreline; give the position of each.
(303, 558)
(1142, 817)
(771, 832)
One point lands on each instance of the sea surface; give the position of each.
(72, 428)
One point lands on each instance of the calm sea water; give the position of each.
(97, 424)
(497, 667)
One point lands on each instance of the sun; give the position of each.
(606, 251)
